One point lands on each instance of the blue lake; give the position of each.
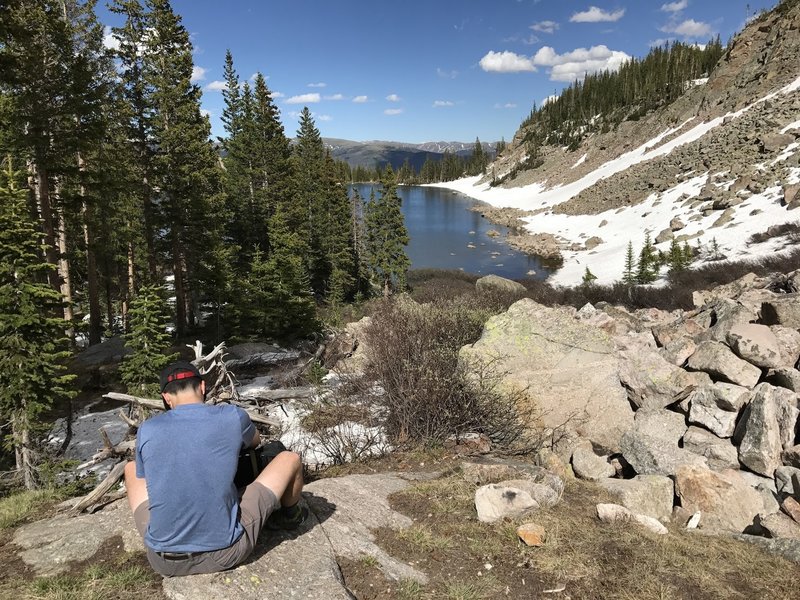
(442, 229)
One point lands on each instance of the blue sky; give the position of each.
(431, 70)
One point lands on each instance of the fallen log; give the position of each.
(97, 493)
(256, 417)
(296, 393)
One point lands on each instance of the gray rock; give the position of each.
(676, 224)
(785, 377)
(718, 361)
(789, 344)
(779, 525)
(791, 456)
(497, 283)
(664, 235)
(705, 410)
(494, 502)
(48, 546)
(775, 142)
(651, 445)
(488, 469)
(726, 501)
(725, 313)
(351, 508)
(108, 352)
(650, 495)
(765, 424)
(587, 465)
(782, 310)
(756, 344)
(542, 494)
(785, 478)
(720, 454)
(677, 351)
(786, 548)
(614, 513)
(567, 369)
(653, 382)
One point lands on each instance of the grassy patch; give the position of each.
(97, 582)
(23, 506)
(465, 559)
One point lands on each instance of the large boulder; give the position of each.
(724, 499)
(566, 369)
(756, 344)
(767, 427)
(496, 283)
(494, 502)
(720, 454)
(650, 495)
(779, 525)
(786, 377)
(788, 343)
(721, 317)
(717, 360)
(782, 310)
(590, 466)
(653, 382)
(651, 445)
(614, 513)
(711, 409)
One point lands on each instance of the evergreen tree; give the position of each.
(386, 237)
(147, 341)
(588, 277)
(33, 347)
(629, 274)
(186, 162)
(647, 269)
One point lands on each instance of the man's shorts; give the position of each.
(257, 503)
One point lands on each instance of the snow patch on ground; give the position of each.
(652, 215)
(581, 160)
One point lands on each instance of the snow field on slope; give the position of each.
(654, 214)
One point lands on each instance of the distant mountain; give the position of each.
(372, 153)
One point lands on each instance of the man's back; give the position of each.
(188, 457)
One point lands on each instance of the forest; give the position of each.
(120, 214)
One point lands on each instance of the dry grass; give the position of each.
(593, 561)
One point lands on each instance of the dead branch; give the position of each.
(97, 493)
(296, 393)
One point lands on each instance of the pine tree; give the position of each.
(386, 237)
(646, 271)
(33, 347)
(629, 274)
(147, 341)
(588, 277)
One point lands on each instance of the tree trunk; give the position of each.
(131, 289)
(180, 291)
(92, 288)
(63, 272)
(46, 215)
(22, 449)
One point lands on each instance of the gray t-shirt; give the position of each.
(188, 457)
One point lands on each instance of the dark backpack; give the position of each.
(253, 460)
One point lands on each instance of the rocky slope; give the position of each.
(726, 152)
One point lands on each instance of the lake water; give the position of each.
(446, 234)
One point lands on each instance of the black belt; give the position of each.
(176, 555)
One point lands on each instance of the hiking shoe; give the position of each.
(279, 520)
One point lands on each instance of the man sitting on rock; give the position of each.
(181, 488)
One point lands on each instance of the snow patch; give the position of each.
(581, 160)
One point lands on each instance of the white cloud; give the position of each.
(216, 86)
(545, 26)
(304, 99)
(278, 95)
(506, 62)
(549, 99)
(442, 104)
(506, 105)
(597, 15)
(660, 42)
(360, 99)
(688, 28)
(393, 111)
(675, 6)
(334, 97)
(110, 41)
(323, 117)
(198, 74)
(446, 74)
(574, 65)
(321, 84)
(205, 113)
(393, 98)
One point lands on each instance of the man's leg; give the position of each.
(284, 477)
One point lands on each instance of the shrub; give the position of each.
(428, 394)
